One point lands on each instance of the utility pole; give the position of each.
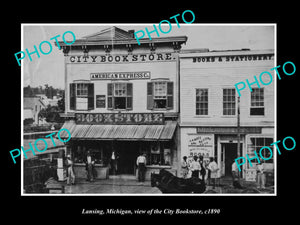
(238, 133)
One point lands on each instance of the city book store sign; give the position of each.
(201, 145)
(153, 57)
(119, 118)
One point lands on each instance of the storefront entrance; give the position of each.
(228, 154)
(128, 152)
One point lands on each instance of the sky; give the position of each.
(49, 69)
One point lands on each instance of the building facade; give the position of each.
(209, 107)
(32, 107)
(122, 97)
(165, 102)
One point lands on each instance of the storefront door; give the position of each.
(228, 154)
(128, 152)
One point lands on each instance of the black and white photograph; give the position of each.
(147, 113)
(163, 114)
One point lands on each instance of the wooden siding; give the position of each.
(218, 75)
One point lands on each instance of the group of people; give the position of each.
(89, 166)
(199, 169)
(195, 168)
(90, 162)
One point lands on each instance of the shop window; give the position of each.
(81, 96)
(201, 101)
(256, 143)
(257, 102)
(119, 96)
(80, 152)
(228, 101)
(159, 154)
(160, 95)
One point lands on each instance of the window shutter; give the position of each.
(129, 96)
(150, 96)
(72, 96)
(90, 96)
(170, 94)
(110, 96)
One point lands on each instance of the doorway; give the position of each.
(128, 152)
(228, 155)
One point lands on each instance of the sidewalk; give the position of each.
(226, 187)
(114, 185)
(126, 184)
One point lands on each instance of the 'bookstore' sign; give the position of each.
(119, 118)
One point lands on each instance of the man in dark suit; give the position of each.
(89, 165)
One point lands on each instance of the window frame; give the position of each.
(229, 102)
(168, 95)
(256, 147)
(73, 95)
(202, 102)
(111, 95)
(257, 101)
(160, 155)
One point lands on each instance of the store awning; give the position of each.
(120, 132)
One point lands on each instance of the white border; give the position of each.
(143, 24)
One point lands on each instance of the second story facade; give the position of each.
(107, 72)
(209, 107)
(207, 93)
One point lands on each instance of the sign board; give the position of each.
(250, 174)
(231, 58)
(119, 118)
(229, 130)
(123, 58)
(120, 76)
(201, 144)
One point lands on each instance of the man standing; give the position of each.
(114, 162)
(89, 164)
(213, 168)
(70, 171)
(261, 179)
(184, 167)
(195, 167)
(141, 163)
(234, 171)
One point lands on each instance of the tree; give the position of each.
(51, 114)
(61, 103)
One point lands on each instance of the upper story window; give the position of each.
(119, 96)
(257, 107)
(201, 101)
(82, 90)
(160, 95)
(81, 96)
(228, 101)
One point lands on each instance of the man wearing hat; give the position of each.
(70, 171)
